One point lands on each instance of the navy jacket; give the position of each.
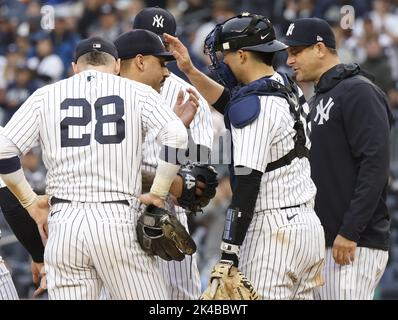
(350, 134)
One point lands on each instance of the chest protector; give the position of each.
(245, 107)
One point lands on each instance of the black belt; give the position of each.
(55, 200)
(291, 207)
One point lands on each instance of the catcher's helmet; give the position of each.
(246, 31)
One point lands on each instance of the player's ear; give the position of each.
(117, 66)
(320, 49)
(139, 62)
(75, 68)
(242, 55)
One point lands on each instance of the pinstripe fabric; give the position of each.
(105, 171)
(267, 139)
(95, 245)
(182, 278)
(7, 288)
(2, 184)
(90, 129)
(356, 281)
(201, 128)
(284, 259)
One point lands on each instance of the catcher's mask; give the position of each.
(245, 31)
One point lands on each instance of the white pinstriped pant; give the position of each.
(182, 277)
(283, 258)
(356, 281)
(95, 245)
(7, 288)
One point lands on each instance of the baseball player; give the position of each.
(182, 277)
(350, 132)
(89, 127)
(272, 234)
(7, 288)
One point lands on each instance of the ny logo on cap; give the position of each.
(319, 38)
(96, 45)
(158, 20)
(290, 30)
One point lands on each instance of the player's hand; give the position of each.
(149, 198)
(39, 211)
(186, 110)
(39, 278)
(343, 250)
(180, 53)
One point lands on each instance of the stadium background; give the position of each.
(37, 39)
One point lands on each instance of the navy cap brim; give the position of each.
(166, 55)
(271, 46)
(296, 43)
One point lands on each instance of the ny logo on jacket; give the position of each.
(322, 111)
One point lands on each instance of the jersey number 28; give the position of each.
(86, 118)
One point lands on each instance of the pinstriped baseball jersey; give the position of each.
(267, 139)
(81, 125)
(356, 281)
(201, 128)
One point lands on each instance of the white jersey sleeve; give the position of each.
(161, 121)
(23, 128)
(201, 128)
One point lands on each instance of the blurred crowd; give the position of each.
(37, 41)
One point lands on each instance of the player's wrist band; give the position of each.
(230, 248)
(232, 258)
(230, 252)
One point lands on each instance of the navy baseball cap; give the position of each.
(157, 20)
(95, 44)
(144, 42)
(308, 31)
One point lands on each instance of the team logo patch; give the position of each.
(189, 181)
(158, 21)
(289, 31)
(322, 111)
(96, 45)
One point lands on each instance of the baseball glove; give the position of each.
(228, 283)
(161, 234)
(191, 174)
